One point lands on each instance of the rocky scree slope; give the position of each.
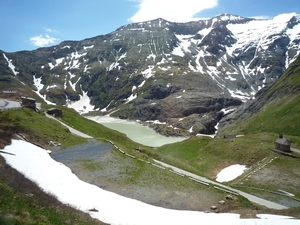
(184, 74)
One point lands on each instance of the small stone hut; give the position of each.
(283, 144)
(55, 112)
(28, 102)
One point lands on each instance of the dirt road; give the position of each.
(250, 197)
(72, 130)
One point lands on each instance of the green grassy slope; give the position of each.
(279, 116)
(288, 83)
(36, 127)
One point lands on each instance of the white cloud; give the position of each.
(172, 10)
(42, 41)
(49, 30)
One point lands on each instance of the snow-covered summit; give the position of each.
(230, 17)
(142, 68)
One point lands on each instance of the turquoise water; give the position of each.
(136, 131)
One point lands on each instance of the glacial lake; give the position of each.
(135, 131)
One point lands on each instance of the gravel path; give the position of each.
(295, 150)
(250, 197)
(72, 130)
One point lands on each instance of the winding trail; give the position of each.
(250, 197)
(295, 150)
(72, 130)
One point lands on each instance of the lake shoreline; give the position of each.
(137, 131)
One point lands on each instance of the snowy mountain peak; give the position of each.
(284, 18)
(249, 45)
(230, 17)
(155, 70)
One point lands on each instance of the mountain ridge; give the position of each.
(183, 74)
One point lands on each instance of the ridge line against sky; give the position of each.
(28, 25)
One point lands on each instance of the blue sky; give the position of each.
(28, 25)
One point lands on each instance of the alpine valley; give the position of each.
(187, 76)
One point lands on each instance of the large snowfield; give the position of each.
(55, 178)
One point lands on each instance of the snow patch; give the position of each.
(88, 47)
(230, 78)
(105, 109)
(131, 97)
(240, 95)
(230, 173)
(156, 122)
(83, 105)
(86, 68)
(57, 62)
(294, 33)
(116, 63)
(38, 84)
(164, 68)
(51, 86)
(73, 85)
(11, 65)
(67, 46)
(148, 72)
(227, 111)
(142, 84)
(184, 44)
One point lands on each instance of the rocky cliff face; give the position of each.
(182, 74)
